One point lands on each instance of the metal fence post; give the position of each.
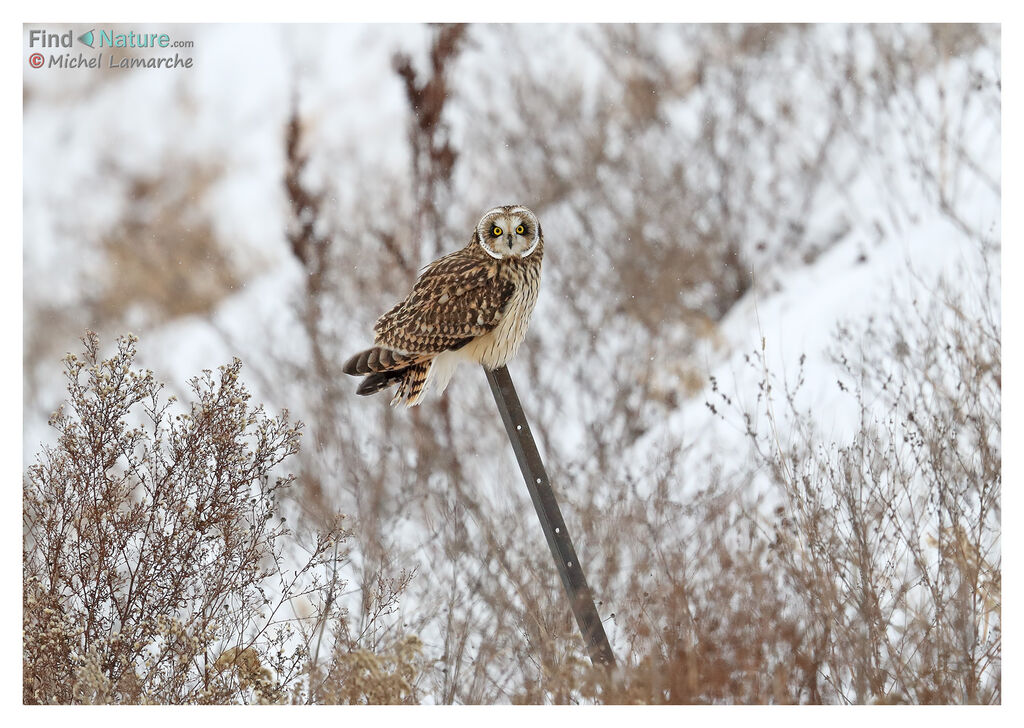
(569, 568)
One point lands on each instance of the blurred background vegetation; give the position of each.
(679, 172)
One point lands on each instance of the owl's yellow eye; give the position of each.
(520, 230)
(496, 231)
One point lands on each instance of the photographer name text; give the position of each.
(81, 60)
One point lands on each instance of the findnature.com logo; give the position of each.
(105, 39)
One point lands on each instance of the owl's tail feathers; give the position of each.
(378, 360)
(383, 367)
(373, 383)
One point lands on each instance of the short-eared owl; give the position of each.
(471, 305)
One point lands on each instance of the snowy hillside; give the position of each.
(890, 258)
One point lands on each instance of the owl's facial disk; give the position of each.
(506, 234)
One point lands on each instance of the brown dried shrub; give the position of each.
(157, 566)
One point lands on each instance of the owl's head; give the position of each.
(510, 231)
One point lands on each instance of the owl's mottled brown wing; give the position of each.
(455, 299)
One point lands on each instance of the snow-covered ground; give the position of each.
(885, 263)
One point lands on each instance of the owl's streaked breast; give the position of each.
(496, 347)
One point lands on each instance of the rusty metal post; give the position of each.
(551, 522)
